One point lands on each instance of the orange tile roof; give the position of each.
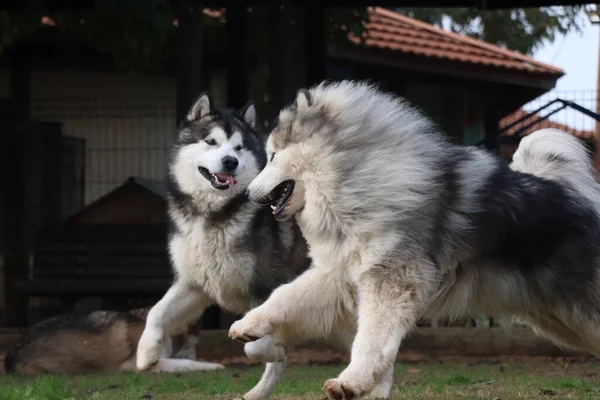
(389, 30)
(582, 134)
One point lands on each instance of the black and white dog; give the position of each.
(402, 224)
(224, 249)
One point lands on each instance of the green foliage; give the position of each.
(343, 20)
(133, 32)
(140, 34)
(523, 29)
(16, 27)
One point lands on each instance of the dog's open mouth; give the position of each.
(218, 180)
(281, 197)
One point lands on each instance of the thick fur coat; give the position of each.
(403, 224)
(224, 249)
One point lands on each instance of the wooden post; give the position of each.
(189, 55)
(13, 207)
(13, 246)
(491, 133)
(597, 125)
(237, 66)
(316, 43)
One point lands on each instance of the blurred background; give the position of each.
(91, 93)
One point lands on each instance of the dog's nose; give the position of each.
(229, 163)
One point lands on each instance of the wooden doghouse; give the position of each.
(137, 201)
(114, 249)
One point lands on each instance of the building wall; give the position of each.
(458, 111)
(127, 120)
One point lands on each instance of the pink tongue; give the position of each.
(229, 178)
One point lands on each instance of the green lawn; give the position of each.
(525, 380)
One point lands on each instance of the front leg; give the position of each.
(390, 300)
(309, 307)
(316, 305)
(181, 305)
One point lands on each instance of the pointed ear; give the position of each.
(303, 99)
(200, 109)
(248, 113)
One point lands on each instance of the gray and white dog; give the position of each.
(403, 224)
(224, 249)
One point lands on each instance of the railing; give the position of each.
(573, 112)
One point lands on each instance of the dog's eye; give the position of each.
(238, 148)
(272, 157)
(210, 142)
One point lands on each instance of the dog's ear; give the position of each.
(248, 113)
(303, 99)
(200, 109)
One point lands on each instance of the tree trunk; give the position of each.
(13, 207)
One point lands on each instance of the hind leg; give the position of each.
(178, 307)
(275, 355)
(268, 382)
(584, 338)
(188, 350)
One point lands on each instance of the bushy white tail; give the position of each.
(556, 155)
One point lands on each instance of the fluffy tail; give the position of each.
(558, 156)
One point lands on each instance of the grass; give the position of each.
(525, 380)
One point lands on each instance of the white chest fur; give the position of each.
(213, 257)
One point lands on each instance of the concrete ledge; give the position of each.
(469, 342)
(434, 342)
(7, 335)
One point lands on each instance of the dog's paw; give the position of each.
(191, 365)
(149, 349)
(254, 395)
(211, 366)
(250, 328)
(340, 390)
(179, 365)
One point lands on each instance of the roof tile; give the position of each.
(386, 29)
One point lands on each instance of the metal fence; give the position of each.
(124, 137)
(117, 140)
(568, 119)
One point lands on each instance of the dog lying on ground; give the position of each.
(101, 341)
